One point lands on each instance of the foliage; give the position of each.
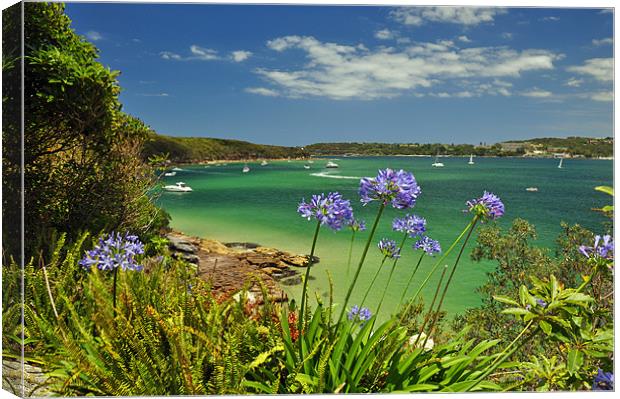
(199, 149)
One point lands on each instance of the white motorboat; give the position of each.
(437, 164)
(560, 164)
(471, 160)
(332, 165)
(178, 187)
(306, 166)
(310, 161)
(246, 169)
(170, 174)
(531, 189)
(264, 163)
(177, 169)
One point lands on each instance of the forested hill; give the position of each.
(540, 147)
(198, 149)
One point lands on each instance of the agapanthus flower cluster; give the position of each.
(113, 251)
(604, 381)
(602, 249)
(389, 248)
(489, 206)
(357, 314)
(330, 209)
(539, 302)
(396, 187)
(356, 224)
(428, 245)
(413, 225)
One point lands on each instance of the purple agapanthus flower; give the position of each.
(413, 225)
(389, 248)
(396, 187)
(541, 303)
(330, 209)
(604, 381)
(428, 245)
(357, 224)
(113, 251)
(603, 249)
(488, 206)
(357, 314)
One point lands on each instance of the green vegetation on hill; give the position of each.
(196, 149)
(573, 146)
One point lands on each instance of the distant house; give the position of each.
(511, 146)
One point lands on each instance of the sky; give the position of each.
(296, 75)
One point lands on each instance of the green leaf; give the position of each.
(515, 311)
(574, 360)
(605, 189)
(546, 327)
(506, 300)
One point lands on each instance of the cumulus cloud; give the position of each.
(602, 96)
(536, 93)
(384, 34)
(197, 54)
(263, 91)
(94, 35)
(573, 82)
(603, 42)
(507, 35)
(240, 55)
(468, 16)
(464, 39)
(552, 18)
(339, 71)
(599, 68)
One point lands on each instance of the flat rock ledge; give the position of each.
(34, 379)
(230, 267)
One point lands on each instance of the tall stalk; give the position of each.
(361, 262)
(114, 293)
(350, 253)
(302, 310)
(402, 244)
(372, 282)
(456, 263)
(411, 279)
(430, 309)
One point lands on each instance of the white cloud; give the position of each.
(602, 96)
(240, 55)
(167, 55)
(464, 39)
(262, 91)
(468, 16)
(154, 94)
(202, 53)
(507, 35)
(342, 72)
(606, 11)
(599, 68)
(384, 34)
(554, 19)
(573, 82)
(603, 42)
(94, 35)
(536, 93)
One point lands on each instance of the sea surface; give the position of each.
(260, 207)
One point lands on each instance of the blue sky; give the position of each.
(296, 75)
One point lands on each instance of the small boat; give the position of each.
(170, 174)
(177, 169)
(560, 164)
(471, 160)
(531, 189)
(332, 165)
(306, 166)
(437, 164)
(246, 169)
(264, 163)
(310, 161)
(178, 187)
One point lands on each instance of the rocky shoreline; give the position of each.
(231, 267)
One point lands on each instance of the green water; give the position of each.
(260, 207)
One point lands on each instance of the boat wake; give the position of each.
(333, 176)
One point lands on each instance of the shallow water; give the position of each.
(260, 206)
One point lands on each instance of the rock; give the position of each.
(34, 379)
(241, 245)
(181, 244)
(299, 260)
(191, 258)
(296, 280)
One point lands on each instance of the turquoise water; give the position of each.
(260, 207)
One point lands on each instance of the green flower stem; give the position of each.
(440, 261)
(302, 310)
(350, 253)
(402, 244)
(430, 309)
(411, 279)
(361, 263)
(456, 263)
(114, 293)
(372, 282)
(503, 356)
